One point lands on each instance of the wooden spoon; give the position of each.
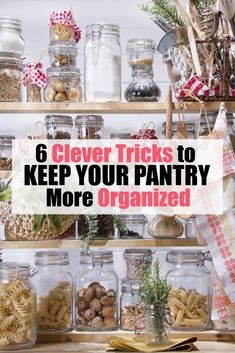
(227, 7)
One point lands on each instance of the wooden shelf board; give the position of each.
(101, 337)
(104, 108)
(114, 243)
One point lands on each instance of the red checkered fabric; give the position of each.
(196, 86)
(65, 18)
(33, 72)
(146, 134)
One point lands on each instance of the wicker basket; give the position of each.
(20, 227)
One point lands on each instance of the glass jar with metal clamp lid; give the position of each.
(6, 152)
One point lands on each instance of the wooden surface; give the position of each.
(203, 347)
(104, 108)
(112, 243)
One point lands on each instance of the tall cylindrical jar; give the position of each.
(11, 40)
(102, 63)
(97, 292)
(190, 294)
(17, 307)
(55, 290)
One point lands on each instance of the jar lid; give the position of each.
(6, 140)
(62, 47)
(51, 258)
(10, 22)
(89, 119)
(102, 28)
(14, 268)
(141, 45)
(58, 120)
(105, 255)
(60, 71)
(134, 218)
(137, 253)
(120, 136)
(11, 58)
(184, 256)
(130, 286)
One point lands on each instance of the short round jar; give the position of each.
(62, 54)
(89, 127)
(134, 226)
(59, 127)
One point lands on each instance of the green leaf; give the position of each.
(55, 219)
(5, 194)
(38, 220)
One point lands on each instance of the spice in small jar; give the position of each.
(6, 152)
(89, 127)
(63, 84)
(34, 79)
(135, 260)
(59, 127)
(10, 77)
(63, 27)
(134, 226)
(62, 54)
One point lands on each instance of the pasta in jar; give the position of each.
(17, 309)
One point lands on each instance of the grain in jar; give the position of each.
(63, 27)
(10, 77)
(135, 260)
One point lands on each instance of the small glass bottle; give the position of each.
(59, 126)
(17, 308)
(190, 288)
(97, 292)
(89, 127)
(6, 152)
(167, 227)
(140, 56)
(157, 328)
(102, 63)
(191, 228)
(55, 291)
(132, 311)
(135, 260)
(11, 40)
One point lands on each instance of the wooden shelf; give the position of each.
(101, 337)
(103, 108)
(112, 243)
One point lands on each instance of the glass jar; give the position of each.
(10, 36)
(104, 225)
(189, 127)
(62, 54)
(167, 227)
(55, 291)
(157, 328)
(142, 88)
(17, 307)
(102, 63)
(89, 127)
(132, 311)
(206, 124)
(10, 77)
(97, 292)
(135, 260)
(63, 84)
(34, 92)
(120, 136)
(140, 57)
(59, 126)
(62, 32)
(134, 226)
(190, 294)
(6, 152)
(191, 228)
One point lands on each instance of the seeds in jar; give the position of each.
(10, 85)
(33, 93)
(55, 309)
(188, 308)
(134, 267)
(141, 62)
(5, 163)
(96, 307)
(130, 316)
(17, 304)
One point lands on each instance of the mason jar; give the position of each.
(10, 77)
(6, 151)
(101, 226)
(97, 292)
(157, 328)
(165, 227)
(190, 294)
(89, 127)
(62, 54)
(11, 40)
(17, 307)
(102, 63)
(59, 126)
(189, 127)
(134, 226)
(55, 291)
(63, 84)
(135, 260)
(132, 311)
(191, 228)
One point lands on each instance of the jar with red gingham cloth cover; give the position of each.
(63, 27)
(34, 78)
